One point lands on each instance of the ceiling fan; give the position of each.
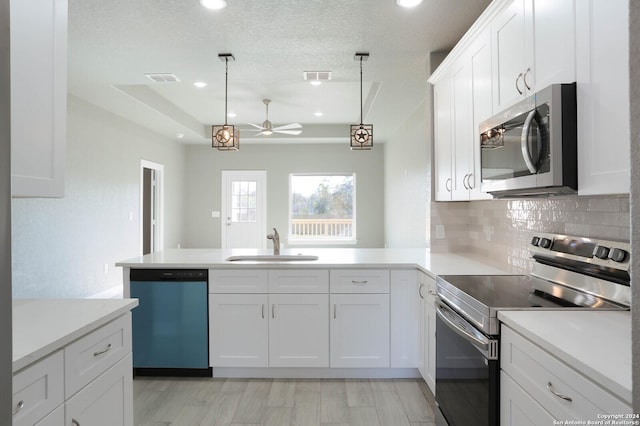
(267, 128)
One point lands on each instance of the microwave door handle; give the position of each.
(524, 142)
(444, 313)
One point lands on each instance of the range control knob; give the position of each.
(602, 252)
(535, 241)
(545, 243)
(618, 255)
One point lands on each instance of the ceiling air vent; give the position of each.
(318, 76)
(163, 78)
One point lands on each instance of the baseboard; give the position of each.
(317, 373)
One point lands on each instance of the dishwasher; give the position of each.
(171, 323)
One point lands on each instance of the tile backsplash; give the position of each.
(501, 229)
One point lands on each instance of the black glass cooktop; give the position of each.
(518, 292)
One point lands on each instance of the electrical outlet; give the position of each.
(439, 232)
(215, 214)
(488, 232)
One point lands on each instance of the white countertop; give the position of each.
(42, 326)
(596, 343)
(431, 263)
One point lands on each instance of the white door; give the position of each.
(239, 330)
(244, 209)
(359, 330)
(299, 330)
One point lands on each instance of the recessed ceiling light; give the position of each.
(408, 3)
(231, 114)
(200, 84)
(318, 114)
(315, 82)
(179, 135)
(214, 4)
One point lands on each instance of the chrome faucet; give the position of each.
(276, 241)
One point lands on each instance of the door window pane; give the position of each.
(243, 201)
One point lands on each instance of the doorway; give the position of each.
(244, 212)
(151, 207)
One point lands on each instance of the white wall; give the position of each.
(407, 181)
(60, 246)
(279, 160)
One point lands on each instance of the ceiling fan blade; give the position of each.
(256, 126)
(288, 127)
(288, 132)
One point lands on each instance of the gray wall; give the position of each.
(5, 218)
(634, 62)
(407, 178)
(203, 186)
(60, 246)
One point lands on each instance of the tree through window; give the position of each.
(322, 207)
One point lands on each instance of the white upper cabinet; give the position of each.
(533, 47)
(603, 97)
(442, 130)
(38, 97)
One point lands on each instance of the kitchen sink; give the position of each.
(272, 258)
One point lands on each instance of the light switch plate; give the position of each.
(215, 214)
(439, 232)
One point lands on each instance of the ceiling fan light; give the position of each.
(408, 3)
(214, 4)
(267, 132)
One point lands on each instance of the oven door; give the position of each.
(467, 371)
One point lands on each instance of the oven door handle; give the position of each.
(446, 314)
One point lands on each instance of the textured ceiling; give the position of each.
(113, 44)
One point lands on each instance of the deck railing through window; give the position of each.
(321, 228)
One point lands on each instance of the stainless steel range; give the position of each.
(568, 273)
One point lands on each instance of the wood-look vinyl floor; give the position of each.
(281, 402)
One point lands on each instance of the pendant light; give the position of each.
(225, 137)
(361, 134)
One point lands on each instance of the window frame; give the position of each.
(326, 240)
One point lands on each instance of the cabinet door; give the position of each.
(443, 138)
(428, 333)
(462, 154)
(517, 408)
(359, 330)
(508, 34)
(299, 330)
(603, 97)
(55, 418)
(38, 97)
(405, 319)
(482, 108)
(106, 401)
(238, 330)
(554, 43)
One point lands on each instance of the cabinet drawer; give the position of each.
(359, 281)
(91, 355)
(38, 389)
(299, 281)
(238, 281)
(540, 375)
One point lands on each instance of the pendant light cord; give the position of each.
(226, 79)
(361, 115)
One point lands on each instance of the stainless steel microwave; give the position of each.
(531, 148)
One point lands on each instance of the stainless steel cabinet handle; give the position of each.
(263, 311)
(74, 422)
(420, 291)
(432, 293)
(334, 311)
(359, 282)
(464, 181)
(19, 407)
(524, 78)
(559, 395)
(273, 310)
(107, 349)
(447, 185)
(517, 85)
(469, 181)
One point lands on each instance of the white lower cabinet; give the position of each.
(405, 319)
(542, 380)
(106, 401)
(517, 408)
(55, 418)
(238, 330)
(428, 330)
(359, 330)
(299, 330)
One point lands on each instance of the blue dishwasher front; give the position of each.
(171, 322)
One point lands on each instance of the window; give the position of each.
(322, 208)
(243, 201)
